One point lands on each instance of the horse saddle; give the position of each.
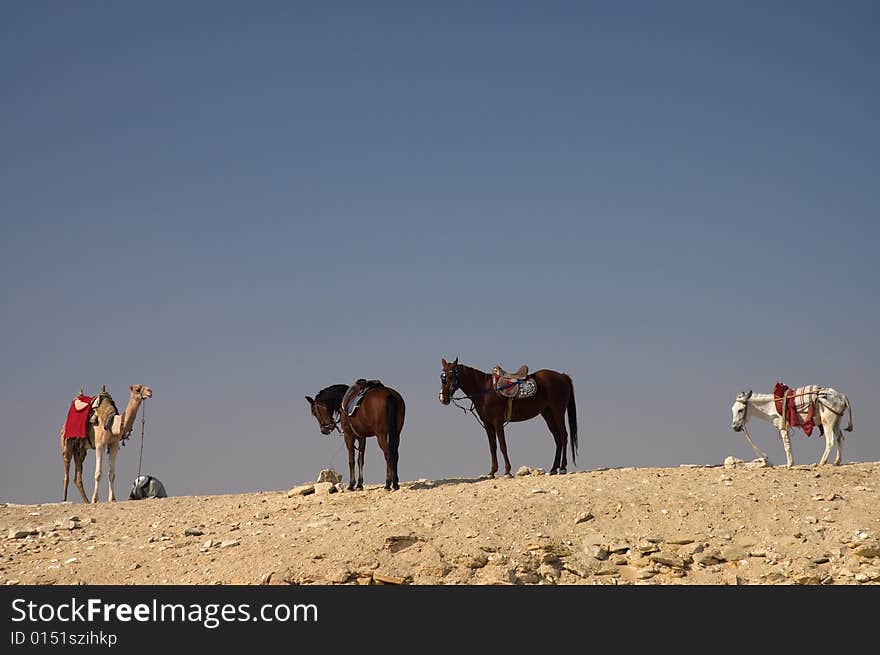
(356, 393)
(513, 385)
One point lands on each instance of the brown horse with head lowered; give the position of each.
(554, 394)
(378, 413)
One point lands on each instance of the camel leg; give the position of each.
(99, 461)
(786, 443)
(490, 432)
(362, 446)
(111, 469)
(503, 443)
(78, 458)
(65, 457)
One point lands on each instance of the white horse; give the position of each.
(830, 405)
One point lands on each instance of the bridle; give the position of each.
(744, 399)
(333, 425)
(455, 387)
(455, 381)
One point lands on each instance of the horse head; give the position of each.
(448, 380)
(323, 409)
(739, 410)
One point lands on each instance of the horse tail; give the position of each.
(849, 424)
(572, 421)
(393, 431)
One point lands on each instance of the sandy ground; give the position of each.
(688, 525)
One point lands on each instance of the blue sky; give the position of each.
(239, 204)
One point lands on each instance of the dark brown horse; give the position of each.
(380, 414)
(554, 394)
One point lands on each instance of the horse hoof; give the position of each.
(508, 475)
(351, 487)
(552, 472)
(562, 471)
(396, 487)
(491, 476)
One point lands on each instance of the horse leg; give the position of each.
(383, 444)
(111, 469)
(550, 420)
(362, 446)
(349, 443)
(490, 432)
(99, 461)
(503, 443)
(561, 437)
(786, 443)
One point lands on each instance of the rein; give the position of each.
(470, 397)
(758, 451)
(467, 409)
(143, 428)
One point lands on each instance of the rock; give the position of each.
(396, 543)
(229, 543)
(734, 553)
(302, 490)
(71, 560)
(867, 550)
(523, 471)
(193, 532)
(339, 576)
(329, 475)
(672, 561)
(498, 575)
(709, 559)
(597, 551)
(20, 533)
(807, 578)
(385, 578)
(731, 462)
(532, 577)
(583, 517)
(680, 540)
(324, 488)
(475, 560)
(208, 543)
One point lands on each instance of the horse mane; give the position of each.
(332, 394)
(471, 368)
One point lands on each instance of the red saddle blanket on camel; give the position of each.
(799, 406)
(76, 425)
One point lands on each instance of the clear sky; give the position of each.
(240, 203)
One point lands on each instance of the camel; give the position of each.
(104, 408)
(101, 439)
(109, 440)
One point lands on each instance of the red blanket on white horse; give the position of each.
(797, 406)
(76, 425)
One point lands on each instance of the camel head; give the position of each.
(141, 391)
